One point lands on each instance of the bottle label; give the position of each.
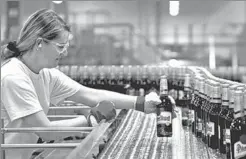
(163, 89)
(207, 125)
(203, 130)
(141, 92)
(131, 92)
(181, 94)
(227, 136)
(164, 118)
(210, 128)
(173, 93)
(192, 116)
(192, 97)
(199, 125)
(239, 150)
(121, 83)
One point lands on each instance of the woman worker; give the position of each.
(30, 82)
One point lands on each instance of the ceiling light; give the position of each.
(57, 2)
(173, 8)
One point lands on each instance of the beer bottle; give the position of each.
(186, 100)
(113, 79)
(164, 111)
(202, 104)
(120, 81)
(80, 71)
(229, 118)
(129, 80)
(144, 82)
(85, 76)
(207, 109)
(193, 101)
(94, 80)
(173, 84)
(153, 80)
(74, 72)
(222, 117)
(198, 108)
(215, 105)
(160, 71)
(238, 150)
(204, 113)
(102, 82)
(137, 81)
(180, 86)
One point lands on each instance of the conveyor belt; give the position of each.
(135, 138)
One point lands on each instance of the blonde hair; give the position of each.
(44, 23)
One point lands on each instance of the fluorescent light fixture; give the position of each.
(212, 56)
(173, 8)
(57, 2)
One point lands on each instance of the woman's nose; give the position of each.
(64, 53)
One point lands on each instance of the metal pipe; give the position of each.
(34, 146)
(61, 117)
(72, 107)
(3, 156)
(44, 129)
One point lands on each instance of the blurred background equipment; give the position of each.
(205, 33)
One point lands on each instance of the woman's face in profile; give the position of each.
(54, 50)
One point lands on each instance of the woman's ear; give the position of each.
(39, 43)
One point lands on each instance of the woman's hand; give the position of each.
(152, 100)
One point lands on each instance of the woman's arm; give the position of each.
(39, 119)
(91, 97)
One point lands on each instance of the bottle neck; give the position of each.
(215, 100)
(225, 103)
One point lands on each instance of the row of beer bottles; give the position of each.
(125, 79)
(215, 113)
(76, 72)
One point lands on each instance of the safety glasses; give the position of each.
(60, 48)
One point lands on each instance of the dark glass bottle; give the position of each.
(120, 81)
(74, 73)
(215, 104)
(113, 82)
(193, 107)
(204, 113)
(207, 110)
(129, 89)
(153, 81)
(198, 109)
(164, 111)
(102, 81)
(93, 73)
(180, 86)
(202, 103)
(186, 101)
(94, 81)
(222, 117)
(173, 90)
(137, 81)
(229, 118)
(144, 83)
(159, 72)
(238, 150)
(85, 80)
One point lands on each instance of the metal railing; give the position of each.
(84, 130)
